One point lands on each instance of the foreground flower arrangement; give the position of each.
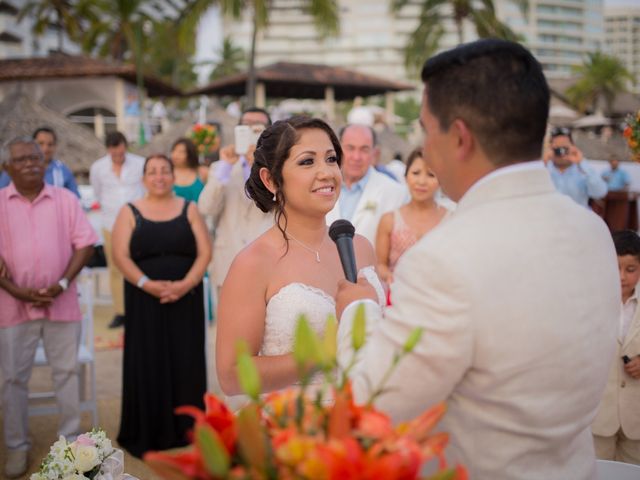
(79, 460)
(300, 434)
(632, 134)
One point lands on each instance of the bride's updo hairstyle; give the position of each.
(272, 150)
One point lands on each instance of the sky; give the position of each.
(209, 39)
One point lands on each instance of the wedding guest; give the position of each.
(56, 172)
(236, 220)
(617, 178)
(366, 193)
(517, 326)
(616, 429)
(116, 179)
(293, 267)
(45, 240)
(571, 174)
(184, 157)
(402, 228)
(161, 245)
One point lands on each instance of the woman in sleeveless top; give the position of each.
(161, 245)
(402, 228)
(184, 157)
(292, 268)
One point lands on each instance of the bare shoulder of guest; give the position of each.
(365, 254)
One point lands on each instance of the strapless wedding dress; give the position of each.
(294, 299)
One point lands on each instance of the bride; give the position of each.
(293, 267)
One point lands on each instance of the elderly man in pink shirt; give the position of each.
(45, 240)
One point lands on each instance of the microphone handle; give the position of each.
(347, 258)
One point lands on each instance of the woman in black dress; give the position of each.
(161, 245)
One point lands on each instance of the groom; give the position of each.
(517, 292)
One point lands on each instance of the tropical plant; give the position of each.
(231, 60)
(600, 78)
(62, 14)
(325, 15)
(426, 38)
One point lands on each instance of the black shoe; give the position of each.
(117, 322)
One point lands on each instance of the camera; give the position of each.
(560, 151)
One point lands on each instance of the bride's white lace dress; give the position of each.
(294, 299)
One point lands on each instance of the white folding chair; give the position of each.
(609, 470)
(86, 359)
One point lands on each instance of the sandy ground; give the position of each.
(109, 387)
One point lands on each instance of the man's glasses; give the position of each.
(560, 132)
(34, 158)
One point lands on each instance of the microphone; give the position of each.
(341, 232)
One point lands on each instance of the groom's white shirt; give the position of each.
(518, 294)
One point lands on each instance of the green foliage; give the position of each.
(215, 456)
(601, 78)
(232, 59)
(248, 372)
(425, 40)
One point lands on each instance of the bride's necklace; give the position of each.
(306, 247)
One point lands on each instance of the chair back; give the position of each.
(609, 470)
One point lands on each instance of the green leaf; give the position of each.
(449, 474)
(358, 331)
(330, 342)
(306, 345)
(248, 376)
(413, 340)
(215, 456)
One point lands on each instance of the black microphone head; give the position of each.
(341, 228)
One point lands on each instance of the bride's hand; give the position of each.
(350, 292)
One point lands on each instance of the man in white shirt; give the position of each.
(517, 292)
(116, 179)
(366, 193)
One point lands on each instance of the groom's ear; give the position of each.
(265, 176)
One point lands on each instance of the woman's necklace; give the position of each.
(306, 246)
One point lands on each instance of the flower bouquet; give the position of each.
(90, 457)
(205, 137)
(294, 434)
(632, 134)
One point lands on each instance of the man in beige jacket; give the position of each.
(517, 291)
(236, 219)
(616, 429)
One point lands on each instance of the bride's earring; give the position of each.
(274, 197)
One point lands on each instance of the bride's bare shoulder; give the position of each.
(259, 256)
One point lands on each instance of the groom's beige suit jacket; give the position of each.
(518, 295)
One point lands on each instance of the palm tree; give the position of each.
(601, 78)
(231, 60)
(425, 39)
(59, 13)
(325, 15)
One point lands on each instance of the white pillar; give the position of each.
(98, 126)
(261, 95)
(330, 103)
(389, 108)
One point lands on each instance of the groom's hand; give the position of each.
(350, 292)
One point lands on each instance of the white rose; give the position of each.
(75, 476)
(86, 458)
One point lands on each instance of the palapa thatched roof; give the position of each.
(78, 147)
(60, 65)
(305, 80)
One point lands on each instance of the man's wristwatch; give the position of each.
(64, 284)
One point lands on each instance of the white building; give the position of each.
(559, 32)
(17, 39)
(623, 38)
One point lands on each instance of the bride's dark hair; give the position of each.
(272, 150)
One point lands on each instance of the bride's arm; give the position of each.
(241, 316)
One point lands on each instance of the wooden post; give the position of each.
(261, 95)
(389, 109)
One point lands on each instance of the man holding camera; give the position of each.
(570, 173)
(236, 219)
